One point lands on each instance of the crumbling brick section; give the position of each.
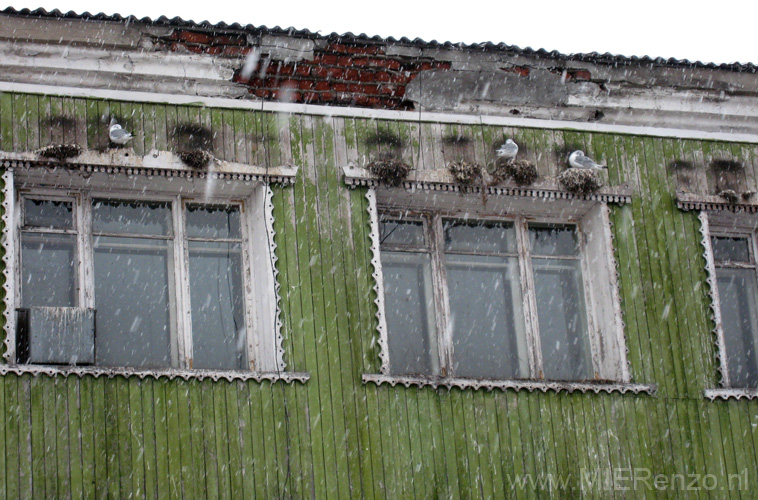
(340, 73)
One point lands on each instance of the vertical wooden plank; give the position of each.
(199, 462)
(222, 439)
(124, 438)
(161, 437)
(37, 437)
(11, 450)
(101, 420)
(134, 391)
(259, 458)
(6, 121)
(149, 438)
(4, 429)
(75, 439)
(209, 440)
(246, 429)
(62, 451)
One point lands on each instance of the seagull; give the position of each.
(579, 160)
(508, 151)
(117, 134)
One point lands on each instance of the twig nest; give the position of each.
(522, 172)
(60, 151)
(196, 158)
(389, 170)
(464, 172)
(730, 195)
(580, 181)
(748, 195)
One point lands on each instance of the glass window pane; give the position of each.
(131, 217)
(401, 233)
(409, 308)
(48, 214)
(218, 320)
(727, 249)
(490, 237)
(562, 319)
(133, 299)
(213, 221)
(48, 270)
(486, 317)
(738, 296)
(553, 240)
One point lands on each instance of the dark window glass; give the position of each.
(48, 214)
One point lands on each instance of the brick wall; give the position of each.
(340, 74)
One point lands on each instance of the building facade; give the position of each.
(274, 315)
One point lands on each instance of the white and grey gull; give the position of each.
(117, 134)
(578, 159)
(508, 151)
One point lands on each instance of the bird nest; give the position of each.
(60, 151)
(196, 158)
(522, 172)
(464, 172)
(580, 181)
(390, 171)
(730, 195)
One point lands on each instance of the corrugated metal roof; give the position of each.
(592, 57)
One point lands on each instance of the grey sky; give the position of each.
(718, 32)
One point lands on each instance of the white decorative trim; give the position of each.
(442, 181)
(690, 201)
(383, 114)
(81, 371)
(373, 215)
(269, 219)
(9, 263)
(518, 385)
(155, 163)
(725, 394)
(617, 294)
(713, 293)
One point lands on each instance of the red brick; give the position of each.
(386, 63)
(339, 87)
(392, 64)
(229, 40)
(403, 77)
(192, 37)
(363, 49)
(366, 76)
(345, 61)
(360, 100)
(322, 85)
(310, 96)
(326, 96)
(280, 69)
(425, 66)
(194, 48)
(441, 65)
(271, 83)
(399, 92)
(336, 47)
(374, 101)
(325, 59)
(306, 84)
(362, 61)
(231, 50)
(213, 50)
(263, 93)
(382, 76)
(519, 70)
(580, 74)
(352, 75)
(387, 89)
(302, 70)
(370, 89)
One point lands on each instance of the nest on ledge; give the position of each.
(730, 195)
(522, 172)
(196, 158)
(580, 181)
(60, 151)
(389, 170)
(464, 172)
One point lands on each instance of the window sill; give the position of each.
(81, 371)
(517, 385)
(726, 394)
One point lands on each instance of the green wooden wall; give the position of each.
(333, 437)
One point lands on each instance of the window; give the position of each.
(477, 282)
(509, 295)
(731, 257)
(179, 272)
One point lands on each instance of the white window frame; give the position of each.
(725, 223)
(243, 185)
(604, 317)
